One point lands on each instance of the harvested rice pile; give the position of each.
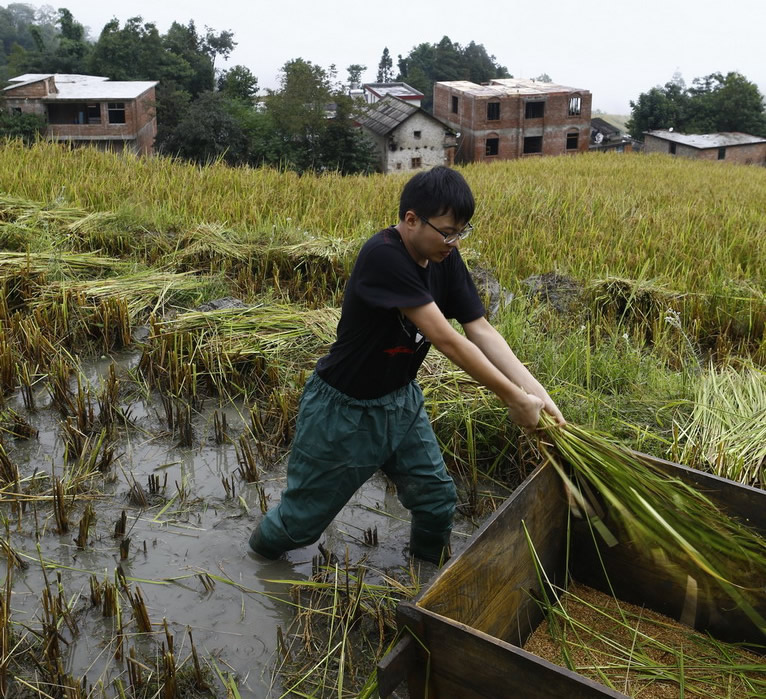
(642, 653)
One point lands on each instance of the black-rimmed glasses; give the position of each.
(450, 237)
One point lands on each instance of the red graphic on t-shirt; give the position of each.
(401, 349)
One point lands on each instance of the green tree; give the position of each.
(343, 146)
(136, 52)
(652, 110)
(311, 118)
(24, 126)
(40, 41)
(429, 63)
(715, 102)
(385, 67)
(72, 49)
(726, 103)
(209, 131)
(238, 83)
(355, 71)
(299, 110)
(199, 51)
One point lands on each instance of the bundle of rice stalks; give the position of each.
(145, 292)
(672, 522)
(59, 265)
(726, 432)
(36, 214)
(206, 244)
(267, 343)
(641, 301)
(261, 329)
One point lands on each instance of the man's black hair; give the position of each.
(438, 192)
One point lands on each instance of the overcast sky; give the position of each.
(614, 49)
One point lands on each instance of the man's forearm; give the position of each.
(494, 347)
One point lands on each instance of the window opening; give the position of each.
(534, 110)
(672, 149)
(572, 140)
(416, 163)
(575, 105)
(493, 111)
(533, 144)
(722, 154)
(94, 113)
(416, 134)
(116, 112)
(493, 146)
(454, 104)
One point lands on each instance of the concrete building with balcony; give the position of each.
(512, 118)
(87, 109)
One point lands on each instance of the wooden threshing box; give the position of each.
(463, 635)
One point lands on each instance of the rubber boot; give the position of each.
(430, 546)
(261, 547)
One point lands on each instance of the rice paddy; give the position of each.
(143, 428)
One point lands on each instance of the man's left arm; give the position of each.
(495, 348)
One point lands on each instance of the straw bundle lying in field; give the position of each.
(726, 432)
(58, 264)
(231, 347)
(147, 291)
(659, 513)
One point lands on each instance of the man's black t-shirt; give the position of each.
(377, 349)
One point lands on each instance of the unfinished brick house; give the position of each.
(731, 146)
(510, 118)
(86, 109)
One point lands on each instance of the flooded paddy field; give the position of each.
(180, 558)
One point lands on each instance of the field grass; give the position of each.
(697, 227)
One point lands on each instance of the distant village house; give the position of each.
(732, 146)
(605, 136)
(511, 118)
(374, 92)
(407, 137)
(87, 109)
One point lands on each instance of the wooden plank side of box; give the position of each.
(641, 577)
(469, 664)
(491, 585)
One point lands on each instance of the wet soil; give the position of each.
(190, 528)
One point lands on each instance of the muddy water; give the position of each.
(175, 540)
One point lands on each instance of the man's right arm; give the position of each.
(524, 409)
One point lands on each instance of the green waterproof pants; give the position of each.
(339, 443)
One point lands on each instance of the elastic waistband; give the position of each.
(317, 383)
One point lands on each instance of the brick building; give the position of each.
(509, 118)
(732, 146)
(86, 109)
(407, 137)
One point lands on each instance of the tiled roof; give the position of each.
(384, 116)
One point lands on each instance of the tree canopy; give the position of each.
(428, 63)
(713, 103)
(41, 40)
